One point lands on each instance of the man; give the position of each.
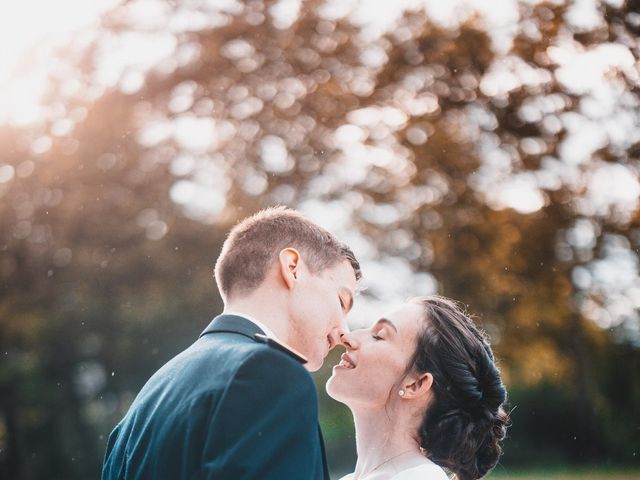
(238, 403)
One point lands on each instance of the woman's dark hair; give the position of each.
(465, 424)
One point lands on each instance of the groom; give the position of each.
(239, 403)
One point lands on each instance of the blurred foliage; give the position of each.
(120, 197)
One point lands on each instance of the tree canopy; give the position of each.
(491, 156)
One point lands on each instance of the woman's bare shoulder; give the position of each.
(424, 471)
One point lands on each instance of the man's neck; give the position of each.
(266, 330)
(264, 310)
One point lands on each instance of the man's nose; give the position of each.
(336, 334)
(341, 329)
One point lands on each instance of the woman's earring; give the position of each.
(401, 392)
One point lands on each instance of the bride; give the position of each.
(425, 394)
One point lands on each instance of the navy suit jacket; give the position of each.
(228, 407)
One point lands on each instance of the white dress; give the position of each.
(424, 471)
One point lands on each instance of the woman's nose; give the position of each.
(349, 341)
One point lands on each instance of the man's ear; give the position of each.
(415, 387)
(289, 259)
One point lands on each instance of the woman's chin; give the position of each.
(333, 389)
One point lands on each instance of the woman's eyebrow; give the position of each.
(386, 321)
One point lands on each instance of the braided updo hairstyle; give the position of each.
(465, 424)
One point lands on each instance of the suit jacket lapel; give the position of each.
(242, 326)
(233, 324)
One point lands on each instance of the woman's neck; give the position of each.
(381, 443)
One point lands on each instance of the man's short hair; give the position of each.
(255, 243)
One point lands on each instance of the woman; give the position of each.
(425, 395)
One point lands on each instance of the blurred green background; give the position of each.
(488, 151)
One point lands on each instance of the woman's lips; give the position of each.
(346, 362)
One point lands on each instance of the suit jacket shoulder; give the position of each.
(226, 407)
(266, 423)
(271, 371)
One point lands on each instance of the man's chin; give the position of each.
(315, 362)
(313, 365)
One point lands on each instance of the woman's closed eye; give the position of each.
(377, 336)
(383, 329)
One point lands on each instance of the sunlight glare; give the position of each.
(31, 31)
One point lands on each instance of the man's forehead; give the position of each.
(346, 270)
(342, 277)
(349, 285)
(341, 271)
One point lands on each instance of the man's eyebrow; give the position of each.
(386, 321)
(345, 291)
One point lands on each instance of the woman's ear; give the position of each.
(415, 387)
(289, 260)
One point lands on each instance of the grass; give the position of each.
(563, 473)
(566, 474)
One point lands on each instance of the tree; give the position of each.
(458, 156)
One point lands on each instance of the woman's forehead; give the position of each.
(407, 318)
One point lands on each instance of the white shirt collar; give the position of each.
(262, 326)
